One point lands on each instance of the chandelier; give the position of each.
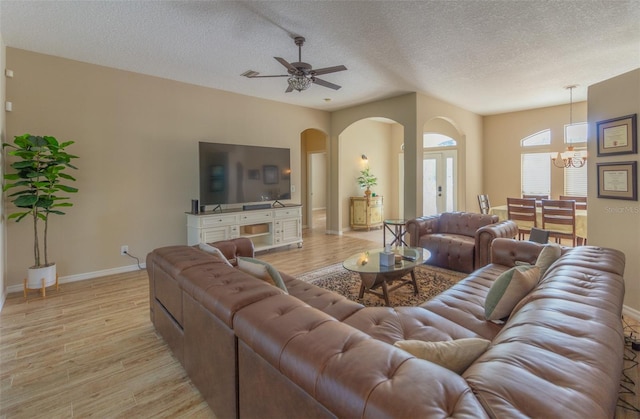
(299, 82)
(571, 157)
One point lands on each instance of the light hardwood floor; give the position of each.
(90, 349)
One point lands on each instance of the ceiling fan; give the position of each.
(300, 74)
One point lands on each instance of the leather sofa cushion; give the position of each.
(463, 303)
(390, 325)
(322, 299)
(348, 372)
(223, 290)
(451, 251)
(174, 259)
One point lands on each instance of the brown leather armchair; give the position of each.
(460, 241)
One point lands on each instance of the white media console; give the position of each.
(267, 228)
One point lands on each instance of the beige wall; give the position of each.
(501, 154)
(615, 223)
(137, 138)
(3, 253)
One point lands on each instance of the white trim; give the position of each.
(628, 311)
(3, 298)
(84, 276)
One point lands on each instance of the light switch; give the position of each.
(8, 106)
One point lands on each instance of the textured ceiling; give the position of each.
(485, 56)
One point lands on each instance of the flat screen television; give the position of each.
(240, 174)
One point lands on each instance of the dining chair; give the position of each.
(581, 201)
(483, 201)
(538, 198)
(523, 212)
(539, 235)
(559, 217)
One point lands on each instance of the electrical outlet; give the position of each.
(124, 250)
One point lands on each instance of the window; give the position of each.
(535, 166)
(575, 179)
(539, 138)
(536, 173)
(432, 139)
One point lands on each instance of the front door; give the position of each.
(439, 182)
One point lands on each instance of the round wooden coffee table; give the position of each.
(373, 275)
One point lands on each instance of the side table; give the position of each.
(397, 232)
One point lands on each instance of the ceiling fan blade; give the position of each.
(289, 89)
(328, 70)
(275, 75)
(286, 64)
(325, 83)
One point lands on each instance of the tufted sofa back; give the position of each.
(464, 223)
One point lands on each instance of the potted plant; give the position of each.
(367, 180)
(37, 181)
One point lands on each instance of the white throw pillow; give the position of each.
(262, 270)
(455, 355)
(214, 251)
(508, 289)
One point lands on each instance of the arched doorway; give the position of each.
(379, 140)
(440, 168)
(314, 178)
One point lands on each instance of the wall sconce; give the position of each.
(364, 157)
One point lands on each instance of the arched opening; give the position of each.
(314, 178)
(380, 140)
(441, 170)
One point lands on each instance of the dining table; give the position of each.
(581, 219)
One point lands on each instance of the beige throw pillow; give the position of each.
(508, 289)
(455, 355)
(549, 254)
(262, 270)
(214, 251)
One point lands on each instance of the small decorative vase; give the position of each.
(367, 192)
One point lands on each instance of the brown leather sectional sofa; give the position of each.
(254, 351)
(460, 241)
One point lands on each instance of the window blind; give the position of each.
(575, 181)
(536, 173)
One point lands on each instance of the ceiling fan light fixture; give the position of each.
(299, 82)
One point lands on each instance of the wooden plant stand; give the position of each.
(42, 289)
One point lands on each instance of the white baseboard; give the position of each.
(634, 314)
(82, 277)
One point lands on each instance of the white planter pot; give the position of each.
(35, 276)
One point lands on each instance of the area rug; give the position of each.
(431, 282)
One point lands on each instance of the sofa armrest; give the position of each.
(507, 252)
(487, 234)
(420, 226)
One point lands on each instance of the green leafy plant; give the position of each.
(366, 179)
(37, 181)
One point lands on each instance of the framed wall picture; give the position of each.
(618, 180)
(618, 136)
